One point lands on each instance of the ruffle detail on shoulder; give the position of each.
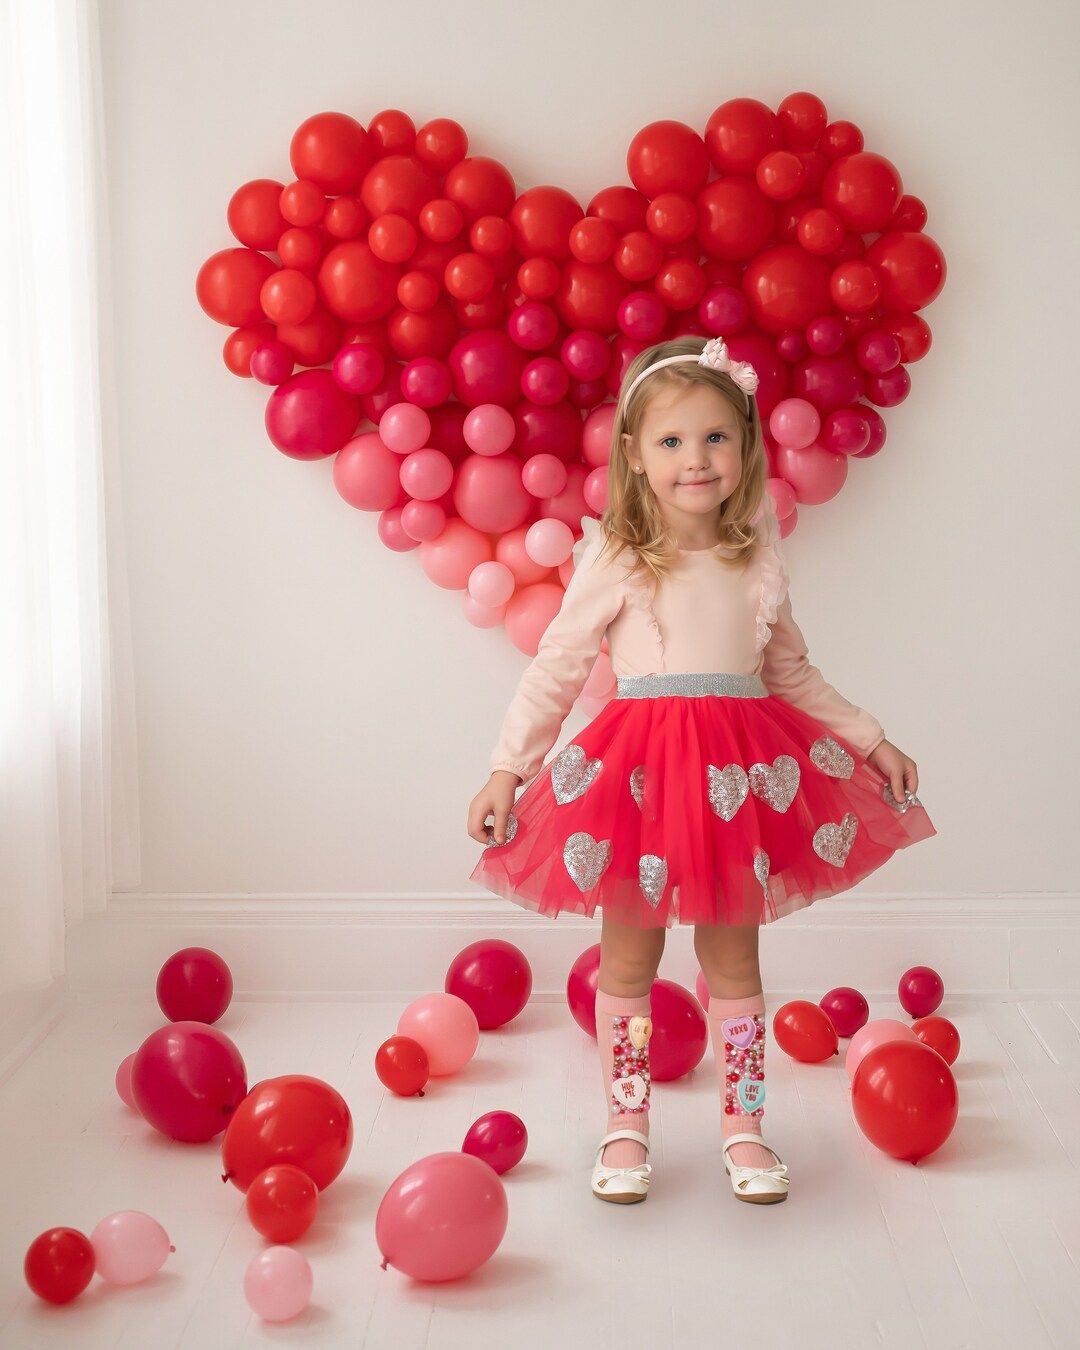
(590, 532)
(772, 570)
(640, 592)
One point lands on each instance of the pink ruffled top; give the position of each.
(706, 617)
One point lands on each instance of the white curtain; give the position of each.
(68, 810)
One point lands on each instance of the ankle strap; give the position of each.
(636, 1135)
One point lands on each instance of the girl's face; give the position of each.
(689, 446)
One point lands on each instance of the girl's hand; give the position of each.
(495, 798)
(901, 771)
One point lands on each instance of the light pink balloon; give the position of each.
(875, 1033)
(596, 435)
(794, 422)
(596, 490)
(404, 428)
(816, 475)
(446, 1027)
(422, 521)
(543, 475)
(442, 1218)
(426, 474)
(448, 561)
(278, 1283)
(481, 616)
(366, 473)
(491, 584)
(549, 542)
(123, 1081)
(129, 1246)
(489, 429)
(783, 496)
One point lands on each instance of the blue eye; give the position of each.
(675, 438)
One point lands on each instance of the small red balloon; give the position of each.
(905, 1099)
(803, 1031)
(293, 1119)
(59, 1264)
(940, 1035)
(401, 1064)
(194, 985)
(281, 1203)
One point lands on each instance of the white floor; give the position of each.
(977, 1246)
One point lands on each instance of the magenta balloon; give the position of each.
(878, 432)
(194, 985)
(585, 354)
(642, 316)
(366, 473)
(486, 367)
(772, 373)
(844, 431)
(488, 493)
(889, 388)
(816, 475)
(792, 346)
(877, 352)
(123, 1081)
(499, 1137)
(359, 367)
(545, 381)
(581, 989)
(272, 362)
(426, 382)
(493, 977)
(828, 382)
(553, 429)
(533, 325)
(825, 335)
(187, 1080)
(846, 1008)
(680, 1031)
(310, 416)
(723, 310)
(442, 1218)
(587, 393)
(920, 991)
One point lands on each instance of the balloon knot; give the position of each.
(383, 1263)
(225, 1176)
(419, 1092)
(171, 1248)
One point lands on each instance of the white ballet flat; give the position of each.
(623, 1185)
(760, 1185)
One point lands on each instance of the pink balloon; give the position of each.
(310, 416)
(543, 475)
(569, 505)
(846, 1008)
(448, 560)
(529, 612)
(783, 497)
(816, 475)
(187, 1079)
(481, 616)
(359, 367)
(581, 986)
(426, 474)
(446, 1027)
(442, 1218)
(366, 473)
(595, 491)
(488, 493)
(596, 435)
(489, 429)
(549, 542)
(129, 1247)
(123, 1081)
(494, 978)
(491, 583)
(278, 1283)
(404, 428)
(920, 991)
(875, 1033)
(271, 362)
(794, 422)
(422, 521)
(680, 1032)
(499, 1137)
(391, 532)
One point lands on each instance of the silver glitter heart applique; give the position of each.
(652, 876)
(572, 774)
(637, 785)
(910, 798)
(832, 842)
(511, 830)
(776, 783)
(762, 863)
(727, 789)
(830, 757)
(586, 858)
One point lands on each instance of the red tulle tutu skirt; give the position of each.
(699, 807)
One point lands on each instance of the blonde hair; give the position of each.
(632, 519)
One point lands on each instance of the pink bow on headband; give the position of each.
(715, 355)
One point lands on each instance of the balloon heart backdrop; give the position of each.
(460, 342)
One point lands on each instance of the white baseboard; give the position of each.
(385, 947)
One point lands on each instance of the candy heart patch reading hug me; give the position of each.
(456, 343)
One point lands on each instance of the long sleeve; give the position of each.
(788, 672)
(557, 673)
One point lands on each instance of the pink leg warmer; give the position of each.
(623, 1027)
(738, 1031)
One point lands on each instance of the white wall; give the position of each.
(314, 715)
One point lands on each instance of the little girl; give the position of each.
(725, 784)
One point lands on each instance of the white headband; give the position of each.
(714, 355)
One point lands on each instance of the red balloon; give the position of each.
(499, 1137)
(680, 1031)
(786, 287)
(910, 267)
(194, 985)
(863, 190)
(805, 1032)
(667, 156)
(401, 1064)
(254, 215)
(493, 977)
(59, 1264)
(356, 284)
(229, 285)
(290, 1119)
(332, 150)
(735, 219)
(541, 220)
(739, 133)
(940, 1035)
(281, 1203)
(905, 1099)
(187, 1080)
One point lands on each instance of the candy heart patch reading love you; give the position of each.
(455, 342)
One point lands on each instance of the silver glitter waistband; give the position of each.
(691, 684)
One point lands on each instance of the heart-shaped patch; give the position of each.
(573, 773)
(456, 342)
(740, 1031)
